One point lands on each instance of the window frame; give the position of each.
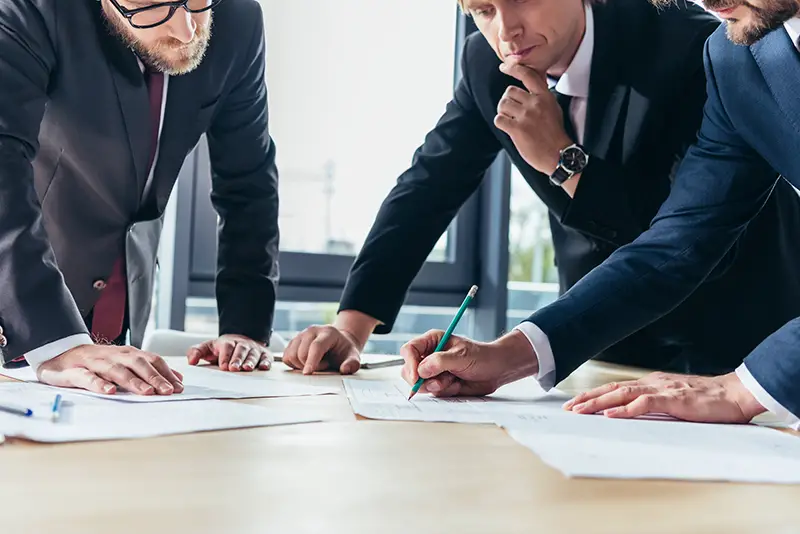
(477, 246)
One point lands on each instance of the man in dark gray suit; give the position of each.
(100, 102)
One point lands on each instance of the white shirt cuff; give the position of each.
(37, 357)
(765, 399)
(544, 353)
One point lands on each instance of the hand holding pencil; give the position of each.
(462, 367)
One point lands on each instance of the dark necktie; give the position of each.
(108, 314)
(564, 102)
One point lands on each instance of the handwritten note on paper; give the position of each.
(86, 418)
(596, 446)
(387, 400)
(201, 383)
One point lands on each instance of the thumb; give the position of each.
(416, 350)
(350, 365)
(452, 361)
(198, 352)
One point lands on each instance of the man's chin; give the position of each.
(178, 64)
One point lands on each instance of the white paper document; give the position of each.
(200, 383)
(379, 399)
(85, 418)
(596, 446)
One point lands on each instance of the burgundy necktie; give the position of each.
(109, 311)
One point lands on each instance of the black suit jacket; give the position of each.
(74, 146)
(645, 105)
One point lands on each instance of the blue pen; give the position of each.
(24, 412)
(56, 413)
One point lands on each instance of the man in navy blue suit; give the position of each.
(749, 141)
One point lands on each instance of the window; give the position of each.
(532, 274)
(354, 87)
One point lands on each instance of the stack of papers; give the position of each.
(596, 446)
(84, 418)
(92, 416)
(201, 383)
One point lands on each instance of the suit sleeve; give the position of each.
(244, 193)
(719, 188)
(36, 307)
(617, 219)
(445, 171)
(775, 366)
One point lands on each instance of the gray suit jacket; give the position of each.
(74, 138)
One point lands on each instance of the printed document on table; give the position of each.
(377, 399)
(85, 418)
(646, 448)
(201, 383)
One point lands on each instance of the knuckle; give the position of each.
(626, 390)
(648, 400)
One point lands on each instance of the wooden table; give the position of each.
(353, 476)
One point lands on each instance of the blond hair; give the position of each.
(463, 6)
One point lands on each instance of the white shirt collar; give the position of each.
(793, 28)
(575, 80)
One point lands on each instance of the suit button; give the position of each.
(99, 285)
(3, 341)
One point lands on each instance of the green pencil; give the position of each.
(447, 334)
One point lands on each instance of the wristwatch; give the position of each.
(572, 160)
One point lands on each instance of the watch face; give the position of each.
(574, 159)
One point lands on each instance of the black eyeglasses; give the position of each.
(157, 14)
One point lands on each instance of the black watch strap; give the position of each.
(560, 176)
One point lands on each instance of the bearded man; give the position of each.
(100, 103)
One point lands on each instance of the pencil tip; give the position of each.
(411, 395)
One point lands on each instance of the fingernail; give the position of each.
(248, 366)
(234, 366)
(578, 408)
(165, 389)
(178, 387)
(433, 387)
(108, 388)
(567, 405)
(612, 411)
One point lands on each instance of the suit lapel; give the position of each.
(133, 99)
(606, 98)
(779, 61)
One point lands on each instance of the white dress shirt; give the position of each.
(38, 356)
(579, 72)
(575, 80)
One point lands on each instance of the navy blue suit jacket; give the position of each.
(749, 136)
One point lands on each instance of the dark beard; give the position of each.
(770, 18)
(152, 57)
